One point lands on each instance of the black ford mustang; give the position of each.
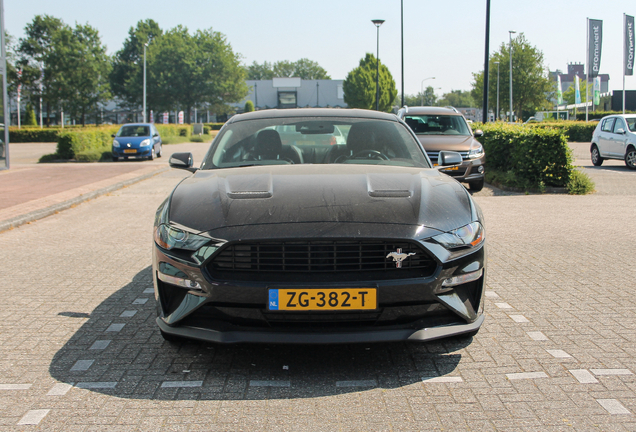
(285, 234)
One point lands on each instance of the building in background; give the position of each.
(574, 69)
(294, 93)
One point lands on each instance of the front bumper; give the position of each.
(231, 311)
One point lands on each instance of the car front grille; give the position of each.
(323, 260)
(434, 155)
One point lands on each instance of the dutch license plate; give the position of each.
(455, 168)
(130, 151)
(322, 299)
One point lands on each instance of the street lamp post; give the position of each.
(510, 33)
(378, 23)
(497, 116)
(144, 116)
(422, 88)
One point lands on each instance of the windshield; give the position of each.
(438, 124)
(134, 131)
(314, 140)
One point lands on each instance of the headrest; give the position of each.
(361, 136)
(268, 143)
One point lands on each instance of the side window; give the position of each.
(619, 124)
(608, 124)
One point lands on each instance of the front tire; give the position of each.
(595, 155)
(153, 154)
(630, 158)
(160, 152)
(476, 186)
(115, 158)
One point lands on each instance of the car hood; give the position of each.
(285, 194)
(446, 142)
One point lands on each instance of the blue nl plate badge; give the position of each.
(273, 299)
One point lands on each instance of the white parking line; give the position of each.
(492, 294)
(181, 384)
(442, 379)
(115, 327)
(519, 318)
(526, 375)
(538, 336)
(140, 301)
(583, 376)
(128, 314)
(613, 406)
(559, 354)
(611, 372)
(33, 417)
(60, 389)
(15, 386)
(82, 365)
(149, 291)
(503, 306)
(357, 383)
(270, 383)
(99, 345)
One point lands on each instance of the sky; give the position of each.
(442, 39)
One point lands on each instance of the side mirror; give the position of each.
(182, 161)
(478, 133)
(155, 135)
(620, 131)
(448, 158)
(113, 135)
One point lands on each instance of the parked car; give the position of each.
(615, 138)
(363, 242)
(137, 141)
(441, 129)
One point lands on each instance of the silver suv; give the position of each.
(615, 138)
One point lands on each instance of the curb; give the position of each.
(47, 211)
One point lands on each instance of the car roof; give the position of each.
(313, 112)
(432, 111)
(137, 124)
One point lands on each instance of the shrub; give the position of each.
(532, 157)
(29, 118)
(32, 135)
(81, 142)
(249, 106)
(580, 183)
(214, 126)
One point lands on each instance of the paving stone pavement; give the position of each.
(80, 350)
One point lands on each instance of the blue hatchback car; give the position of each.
(137, 141)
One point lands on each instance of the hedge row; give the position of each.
(538, 157)
(597, 115)
(574, 131)
(33, 135)
(74, 144)
(214, 126)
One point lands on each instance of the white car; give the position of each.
(615, 138)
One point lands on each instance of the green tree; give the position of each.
(126, 76)
(532, 87)
(457, 98)
(428, 98)
(260, 72)
(360, 89)
(569, 96)
(29, 118)
(194, 71)
(310, 70)
(81, 67)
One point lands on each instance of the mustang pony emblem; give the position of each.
(398, 257)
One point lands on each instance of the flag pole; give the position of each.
(587, 66)
(624, 58)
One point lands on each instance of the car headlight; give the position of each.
(169, 237)
(476, 151)
(470, 235)
(115, 143)
(144, 143)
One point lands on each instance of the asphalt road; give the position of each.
(80, 350)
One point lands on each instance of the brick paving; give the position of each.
(560, 355)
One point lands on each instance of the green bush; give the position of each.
(170, 130)
(529, 157)
(249, 106)
(580, 183)
(74, 143)
(574, 131)
(214, 126)
(32, 135)
(29, 118)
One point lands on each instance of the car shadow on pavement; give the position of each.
(120, 352)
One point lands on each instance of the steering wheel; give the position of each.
(371, 154)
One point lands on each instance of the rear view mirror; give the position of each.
(449, 158)
(620, 131)
(479, 132)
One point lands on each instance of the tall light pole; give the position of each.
(484, 110)
(497, 116)
(378, 23)
(144, 116)
(402, 34)
(510, 33)
(422, 88)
